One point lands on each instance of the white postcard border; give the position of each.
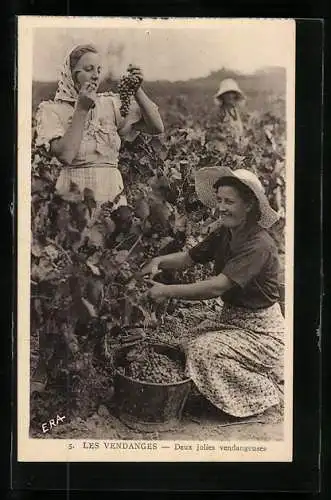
(66, 450)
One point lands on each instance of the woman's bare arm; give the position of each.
(175, 261)
(67, 147)
(151, 116)
(201, 290)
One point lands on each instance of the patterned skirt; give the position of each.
(239, 367)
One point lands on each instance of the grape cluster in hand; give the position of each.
(128, 86)
(154, 367)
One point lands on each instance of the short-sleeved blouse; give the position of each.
(103, 131)
(250, 261)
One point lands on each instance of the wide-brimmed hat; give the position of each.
(229, 85)
(206, 177)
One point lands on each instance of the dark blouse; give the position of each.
(250, 261)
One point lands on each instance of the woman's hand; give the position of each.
(152, 121)
(87, 96)
(152, 268)
(158, 292)
(135, 71)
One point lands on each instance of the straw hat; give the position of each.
(206, 177)
(229, 85)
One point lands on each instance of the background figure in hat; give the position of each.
(237, 363)
(228, 99)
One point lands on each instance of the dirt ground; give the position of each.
(199, 422)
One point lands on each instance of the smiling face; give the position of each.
(87, 69)
(233, 209)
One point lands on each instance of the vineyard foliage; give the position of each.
(84, 290)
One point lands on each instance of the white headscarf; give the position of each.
(66, 88)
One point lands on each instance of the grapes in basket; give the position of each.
(147, 365)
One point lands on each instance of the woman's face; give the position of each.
(233, 210)
(87, 69)
(230, 98)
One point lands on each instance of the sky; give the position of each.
(169, 50)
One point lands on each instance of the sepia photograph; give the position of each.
(155, 239)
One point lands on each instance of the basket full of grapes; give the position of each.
(151, 386)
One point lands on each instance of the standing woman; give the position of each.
(228, 100)
(237, 363)
(84, 129)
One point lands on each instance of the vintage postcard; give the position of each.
(155, 239)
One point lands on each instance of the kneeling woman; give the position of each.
(234, 365)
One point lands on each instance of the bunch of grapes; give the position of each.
(124, 273)
(154, 367)
(123, 218)
(128, 86)
(106, 210)
(105, 217)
